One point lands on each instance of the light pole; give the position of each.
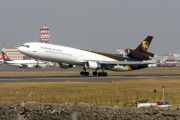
(163, 86)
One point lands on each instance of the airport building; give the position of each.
(14, 54)
(120, 52)
(172, 60)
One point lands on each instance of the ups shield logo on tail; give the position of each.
(145, 45)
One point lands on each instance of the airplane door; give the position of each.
(34, 50)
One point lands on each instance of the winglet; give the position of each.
(5, 57)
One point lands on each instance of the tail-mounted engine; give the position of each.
(139, 55)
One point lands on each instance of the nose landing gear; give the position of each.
(84, 73)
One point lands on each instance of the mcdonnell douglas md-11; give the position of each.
(66, 57)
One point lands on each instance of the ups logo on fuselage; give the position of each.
(145, 45)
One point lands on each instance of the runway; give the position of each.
(175, 73)
(81, 78)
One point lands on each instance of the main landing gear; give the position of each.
(102, 73)
(95, 73)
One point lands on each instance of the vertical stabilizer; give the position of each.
(141, 51)
(143, 47)
(1, 57)
(5, 57)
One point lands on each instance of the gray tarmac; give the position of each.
(78, 78)
(73, 78)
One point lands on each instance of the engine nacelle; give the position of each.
(65, 65)
(139, 55)
(93, 65)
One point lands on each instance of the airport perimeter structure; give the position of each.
(41, 101)
(97, 104)
(102, 97)
(83, 111)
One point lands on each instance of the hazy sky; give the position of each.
(103, 25)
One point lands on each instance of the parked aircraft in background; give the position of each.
(68, 56)
(1, 59)
(22, 63)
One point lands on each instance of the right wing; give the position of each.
(120, 62)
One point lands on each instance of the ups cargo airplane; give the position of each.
(68, 56)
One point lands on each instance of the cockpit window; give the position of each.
(26, 46)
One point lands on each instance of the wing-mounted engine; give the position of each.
(138, 55)
(93, 65)
(65, 65)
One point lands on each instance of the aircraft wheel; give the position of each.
(99, 73)
(95, 73)
(81, 73)
(105, 74)
(102, 73)
(84, 73)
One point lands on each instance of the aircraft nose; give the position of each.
(21, 49)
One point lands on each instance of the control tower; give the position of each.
(44, 35)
